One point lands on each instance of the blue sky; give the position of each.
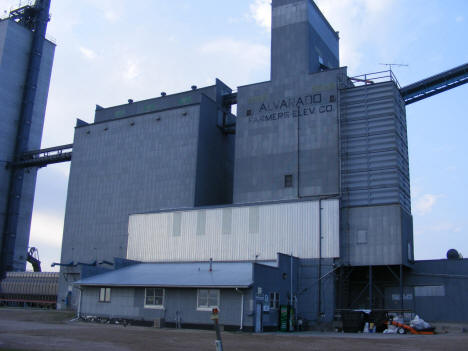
(111, 50)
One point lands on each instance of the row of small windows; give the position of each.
(207, 299)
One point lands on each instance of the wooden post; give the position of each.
(215, 318)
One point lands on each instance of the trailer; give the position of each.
(29, 289)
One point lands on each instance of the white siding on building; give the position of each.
(258, 230)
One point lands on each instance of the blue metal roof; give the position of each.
(223, 275)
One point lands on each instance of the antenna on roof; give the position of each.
(390, 65)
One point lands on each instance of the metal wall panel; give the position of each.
(374, 149)
(178, 304)
(282, 227)
(288, 128)
(30, 283)
(15, 45)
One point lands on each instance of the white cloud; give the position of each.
(111, 16)
(424, 204)
(358, 21)
(260, 12)
(132, 69)
(46, 229)
(112, 10)
(87, 53)
(441, 228)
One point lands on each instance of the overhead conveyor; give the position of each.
(435, 85)
(411, 93)
(44, 157)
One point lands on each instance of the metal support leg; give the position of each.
(370, 287)
(401, 288)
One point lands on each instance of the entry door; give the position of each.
(259, 318)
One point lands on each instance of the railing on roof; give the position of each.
(374, 78)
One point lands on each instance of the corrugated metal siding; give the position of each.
(30, 283)
(286, 228)
(374, 147)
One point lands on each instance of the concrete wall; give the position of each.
(288, 127)
(15, 42)
(129, 303)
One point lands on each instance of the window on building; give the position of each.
(104, 294)
(154, 297)
(288, 181)
(207, 299)
(362, 237)
(274, 300)
(429, 290)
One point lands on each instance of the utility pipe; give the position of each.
(319, 286)
(242, 309)
(79, 303)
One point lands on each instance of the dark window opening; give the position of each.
(288, 181)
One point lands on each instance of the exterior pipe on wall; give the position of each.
(242, 309)
(319, 285)
(291, 279)
(79, 303)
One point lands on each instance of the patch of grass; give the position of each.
(33, 315)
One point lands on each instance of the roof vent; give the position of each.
(163, 94)
(130, 101)
(194, 87)
(453, 254)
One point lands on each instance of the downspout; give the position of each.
(319, 309)
(78, 316)
(242, 309)
(291, 268)
(298, 158)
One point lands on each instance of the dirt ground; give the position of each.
(50, 330)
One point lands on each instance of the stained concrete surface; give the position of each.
(50, 330)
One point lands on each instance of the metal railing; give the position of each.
(374, 78)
